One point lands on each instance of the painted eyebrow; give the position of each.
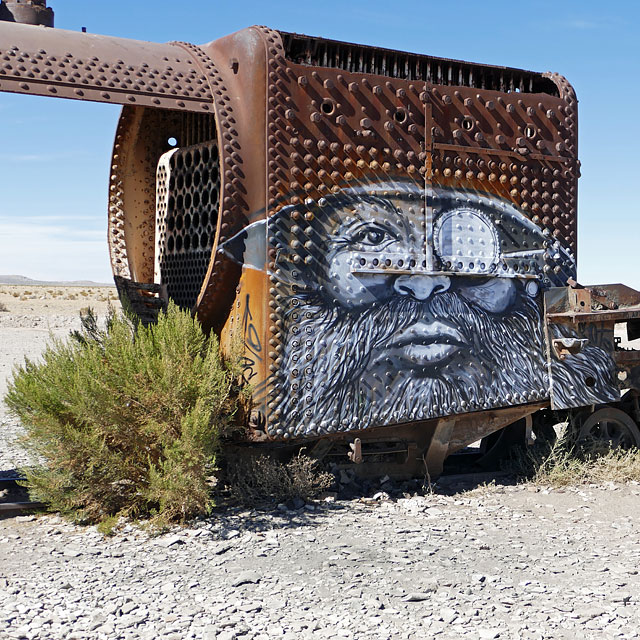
(357, 225)
(351, 205)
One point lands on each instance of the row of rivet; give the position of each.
(145, 82)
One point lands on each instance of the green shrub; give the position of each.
(126, 420)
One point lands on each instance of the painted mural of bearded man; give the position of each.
(401, 305)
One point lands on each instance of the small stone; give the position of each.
(172, 540)
(222, 548)
(246, 577)
(416, 596)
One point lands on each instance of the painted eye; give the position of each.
(371, 236)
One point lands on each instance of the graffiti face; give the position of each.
(398, 305)
(394, 317)
(432, 338)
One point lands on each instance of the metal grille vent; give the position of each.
(357, 58)
(187, 202)
(194, 128)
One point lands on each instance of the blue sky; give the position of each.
(54, 156)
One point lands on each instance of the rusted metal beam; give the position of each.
(616, 315)
(83, 66)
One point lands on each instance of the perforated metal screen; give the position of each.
(187, 201)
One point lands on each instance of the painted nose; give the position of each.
(421, 287)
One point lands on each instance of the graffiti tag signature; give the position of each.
(253, 346)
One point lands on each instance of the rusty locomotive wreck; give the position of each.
(392, 235)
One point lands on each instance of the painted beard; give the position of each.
(588, 377)
(405, 360)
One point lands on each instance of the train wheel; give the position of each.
(610, 427)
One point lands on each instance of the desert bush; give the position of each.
(254, 480)
(3, 307)
(126, 419)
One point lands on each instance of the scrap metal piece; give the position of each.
(33, 12)
(568, 346)
(379, 229)
(355, 455)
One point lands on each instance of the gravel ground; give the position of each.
(498, 562)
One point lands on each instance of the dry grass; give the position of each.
(566, 463)
(566, 468)
(261, 479)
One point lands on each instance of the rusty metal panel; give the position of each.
(349, 149)
(520, 147)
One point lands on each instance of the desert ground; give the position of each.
(498, 561)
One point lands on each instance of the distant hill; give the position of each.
(23, 280)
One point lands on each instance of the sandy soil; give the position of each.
(29, 317)
(40, 301)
